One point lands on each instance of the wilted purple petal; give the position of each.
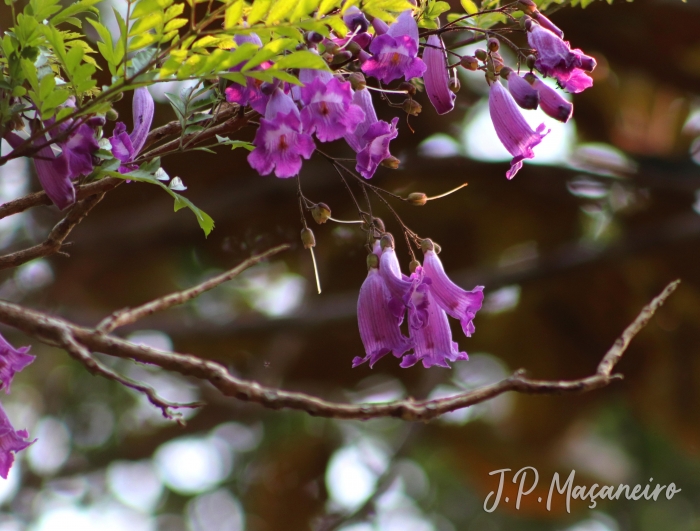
(457, 302)
(376, 139)
(551, 101)
(328, 109)
(513, 131)
(524, 94)
(379, 329)
(437, 80)
(12, 360)
(143, 109)
(11, 441)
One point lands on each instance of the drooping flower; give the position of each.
(513, 131)
(379, 327)
(524, 94)
(371, 137)
(126, 147)
(251, 93)
(279, 142)
(457, 302)
(555, 58)
(327, 106)
(395, 52)
(11, 441)
(551, 101)
(437, 80)
(12, 360)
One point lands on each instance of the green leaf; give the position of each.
(280, 10)
(147, 22)
(259, 10)
(233, 14)
(141, 41)
(268, 51)
(301, 59)
(469, 6)
(84, 6)
(174, 24)
(147, 7)
(73, 58)
(46, 85)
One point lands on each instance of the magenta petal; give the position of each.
(379, 330)
(524, 94)
(12, 360)
(457, 302)
(437, 80)
(552, 102)
(143, 109)
(405, 25)
(11, 441)
(577, 81)
(328, 109)
(377, 139)
(53, 176)
(78, 150)
(513, 131)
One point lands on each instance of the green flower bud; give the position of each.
(417, 198)
(493, 44)
(391, 163)
(530, 61)
(413, 265)
(321, 212)
(307, 238)
(112, 115)
(410, 88)
(412, 107)
(372, 261)
(469, 62)
(480, 54)
(427, 245)
(387, 240)
(357, 80)
(455, 85)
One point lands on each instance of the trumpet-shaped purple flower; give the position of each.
(327, 107)
(371, 137)
(524, 94)
(395, 52)
(437, 80)
(513, 131)
(12, 360)
(407, 293)
(555, 58)
(11, 441)
(457, 302)
(379, 327)
(126, 147)
(551, 101)
(279, 142)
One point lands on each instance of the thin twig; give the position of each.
(130, 315)
(51, 330)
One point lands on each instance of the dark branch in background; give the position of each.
(53, 330)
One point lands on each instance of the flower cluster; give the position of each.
(428, 296)
(12, 360)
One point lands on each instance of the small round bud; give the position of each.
(379, 224)
(372, 261)
(417, 198)
(527, 22)
(112, 115)
(469, 62)
(493, 44)
(331, 47)
(480, 54)
(313, 37)
(391, 163)
(307, 238)
(506, 71)
(327, 57)
(301, 47)
(530, 61)
(386, 241)
(411, 107)
(321, 212)
(527, 6)
(427, 245)
(353, 48)
(455, 85)
(530, 78)
(357, 80)
(413, 265)
(410, 88)
(341, 57)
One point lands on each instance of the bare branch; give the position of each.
(52, 330)
(56, 237)
(128, 316)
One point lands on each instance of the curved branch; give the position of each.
(52, 330)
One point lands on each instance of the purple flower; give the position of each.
(10, 441)
(126, 147)
(555, 58)
(12, 360)
(371, 137)
(551, 101)
(250, 93)
(355, 20)
(513, 131)
(458, 303)
(437, 80)
(279, 141)
(327, 106)
(407, 293)
(395, 52)
(547, 24)
(524, 94)
(379, 327)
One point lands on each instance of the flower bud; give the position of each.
(313, 37)
(412, 107)
(530, 61)
(417, 198)
(112, 115)
(413, 265)
(321, 212)
(455, 85)
(391, 162)
(353, 48)
(497, 61)
(330, 47)
(410, 88)
(387, 240)
(506, 71)
(527, 22)
(327, 57)
(357, 80)
(527, 6)
(343, 56)
(493, 44)
(307, 238)
(469, 62)
(372, 261)
(480, 54)
(380, 225)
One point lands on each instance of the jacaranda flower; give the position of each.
(12, 360)
(395, 52)
(513, 131)
(327, 106)
(251, 93)
(11, 441)
(524, 94)
(126, 147)
(437, 80)
(279, 142)
(551, 101)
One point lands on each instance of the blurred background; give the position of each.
(569, 251)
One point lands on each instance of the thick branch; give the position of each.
(131, 315)
(52, 330)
